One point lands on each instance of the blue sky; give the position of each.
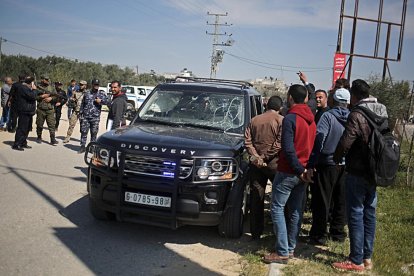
(169, 35)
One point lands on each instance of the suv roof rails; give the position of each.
(195, 79)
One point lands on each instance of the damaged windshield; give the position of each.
(197, 109)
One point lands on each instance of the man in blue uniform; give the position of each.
(90, 113)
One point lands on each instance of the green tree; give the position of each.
(394, 95)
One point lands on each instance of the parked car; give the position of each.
(180, 161)
(136, 94)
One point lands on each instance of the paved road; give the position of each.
(46, 228)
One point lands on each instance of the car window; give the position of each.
(128, 89)
(142, 91)
(196, 108)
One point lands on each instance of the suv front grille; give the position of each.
(156, 166)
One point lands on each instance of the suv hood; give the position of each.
(164, 139)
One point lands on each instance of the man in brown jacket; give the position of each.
(263, 142)
(361, 194)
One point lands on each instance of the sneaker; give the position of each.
(26, 146)
(66, 140)
(82, 149)
(348, 266)
(53, 142)
(39, 140)
(274, 258)
(368, 264)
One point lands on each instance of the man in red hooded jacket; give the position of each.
(298, 136)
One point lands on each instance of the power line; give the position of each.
(39, 50)
(279, 65)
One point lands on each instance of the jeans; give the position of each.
(5, 116)
(287, 190)
(361, 197)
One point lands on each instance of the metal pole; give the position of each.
(387, 46)
(351, 52)
(341, 22)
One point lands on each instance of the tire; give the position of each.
(98, 213)
(231, 224)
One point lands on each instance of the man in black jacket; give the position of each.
(11, 126)
(25, 98)
(117, 108)
(61, 99)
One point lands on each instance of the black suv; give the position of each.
(180, 161)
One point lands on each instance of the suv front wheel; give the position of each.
(98, 213)
(231, 224)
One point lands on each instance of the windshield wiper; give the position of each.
(149, 120)
(202, 126)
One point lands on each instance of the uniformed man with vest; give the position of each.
(75, 102)
(90, 113)
(45, 110)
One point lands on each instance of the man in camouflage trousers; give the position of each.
(90, 113)
(45, 110)
(75, 101)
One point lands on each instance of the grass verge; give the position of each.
(393, 248)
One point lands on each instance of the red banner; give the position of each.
(339, 67)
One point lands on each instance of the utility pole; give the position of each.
(1, 40)
(217, 54)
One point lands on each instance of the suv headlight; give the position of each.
(215, 169)
(99, 156)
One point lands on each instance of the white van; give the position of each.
(136, 94)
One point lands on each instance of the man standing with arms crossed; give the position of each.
(118, 107)
(298, 136)
(45, 110)
(90, 113)
(262, 141)
(75, 101)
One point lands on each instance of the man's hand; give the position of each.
(303, 78)
(47, 100)
(306, 176)
(258, 161)
(57, 104)
(45, 96)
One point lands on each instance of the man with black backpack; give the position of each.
(361, 195)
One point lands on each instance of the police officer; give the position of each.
(61, 99)
(90, 113)
(45, 110)
(75, 103)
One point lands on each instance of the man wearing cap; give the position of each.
(61, 99)
(75, 102)
(45, 110)
(328, 191)
(90, 113)
(72, 88)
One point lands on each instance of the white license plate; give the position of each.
(160, 201)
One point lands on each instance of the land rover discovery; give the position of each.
(180, 161)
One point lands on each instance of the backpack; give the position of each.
(384, 151)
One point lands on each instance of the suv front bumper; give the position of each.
(195, 204)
